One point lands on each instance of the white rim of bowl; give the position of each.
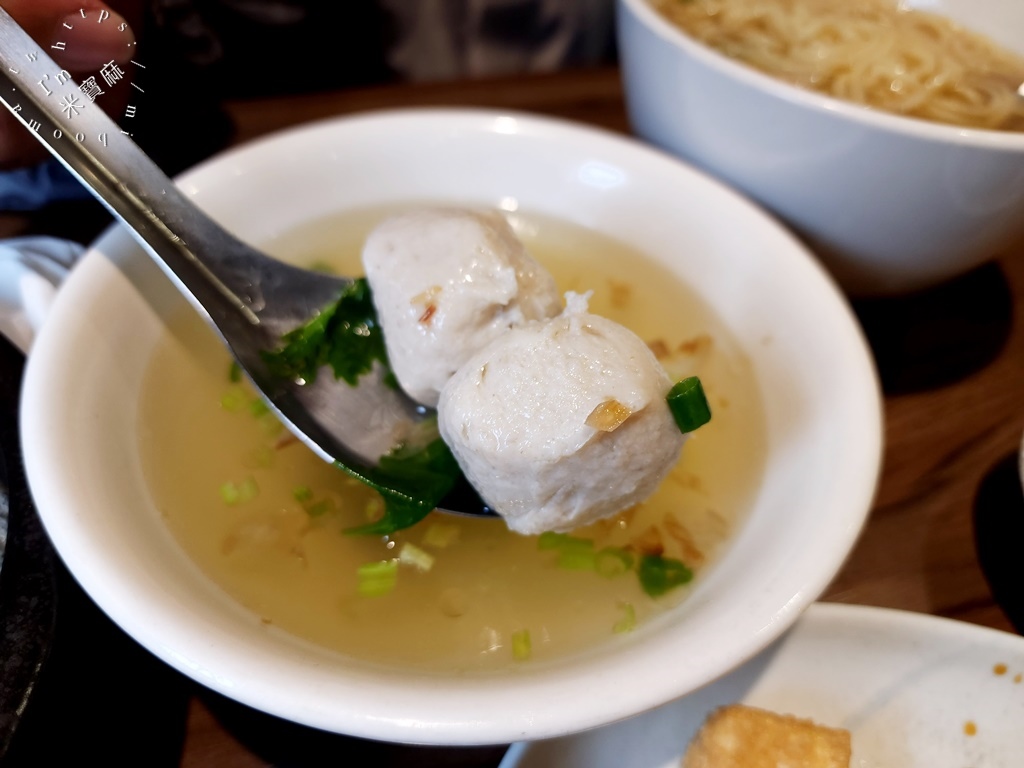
(388, 711)
(1010, 141)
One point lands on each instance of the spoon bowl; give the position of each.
(248, 298)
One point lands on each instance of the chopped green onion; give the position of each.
(302, 494)
(563, 542)
(259, 458)
(376, 579)
(659, 575)
(258, 408)
(230, 494)
(318, 508)
(441, 535)
(234, 372)
(574, 553)
(248, 489)
(271, 426)
(688, 404)
(628, 622)
(323, 267)
(613, 561)
(522, 648)
(235, 493)
(551, 540)
(412, 555)
(233, 400)
(576, 560)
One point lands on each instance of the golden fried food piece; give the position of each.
(738, 736)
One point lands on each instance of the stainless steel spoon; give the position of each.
(248, 298)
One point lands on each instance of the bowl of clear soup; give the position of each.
(227, 549)
(890, 135)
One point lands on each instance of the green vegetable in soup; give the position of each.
(657, 574)
(688, 404)
(412, 481)
(345, 335)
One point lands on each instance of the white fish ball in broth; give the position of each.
(561, 422)
(446, 282)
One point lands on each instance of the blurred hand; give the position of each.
(92, 42)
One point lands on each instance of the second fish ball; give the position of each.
(561, 422)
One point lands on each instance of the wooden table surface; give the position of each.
(948, 519)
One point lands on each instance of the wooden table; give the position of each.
(952, 361)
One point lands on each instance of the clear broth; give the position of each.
(487, 585)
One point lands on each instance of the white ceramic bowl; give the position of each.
(891, 204)
(823, 414)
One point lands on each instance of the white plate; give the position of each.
(907, 686)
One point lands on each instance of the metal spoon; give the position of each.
(248, 298)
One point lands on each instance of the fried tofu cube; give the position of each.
(738, 736)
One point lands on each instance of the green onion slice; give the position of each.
(688, 404)
(628, 621)
(376, 579)
(522, 647)
(613, 561)
(659, 575)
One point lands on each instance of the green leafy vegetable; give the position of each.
(411, 481)
(688, 404)
(345, 335)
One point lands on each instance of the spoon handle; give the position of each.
(193, 250)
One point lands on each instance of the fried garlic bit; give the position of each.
(620, 293)
(659, 348)
(608, 416)
(696, 345)
(428, 300)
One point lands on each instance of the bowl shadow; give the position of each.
(932, 338)
(285, 744)
(998, 535)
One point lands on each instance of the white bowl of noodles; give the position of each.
(891, 203)
(218, 545)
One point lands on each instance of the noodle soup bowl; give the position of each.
(890, 204)
(83, 441)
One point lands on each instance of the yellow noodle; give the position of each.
(871, 52)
